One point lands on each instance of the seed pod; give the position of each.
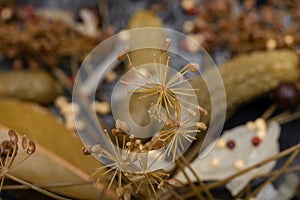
(13, 136)
(31, 147)
(116, 132)
(175, 182)
(85, 151)
(24, 142)
(6, 148)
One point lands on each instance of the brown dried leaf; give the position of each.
(58, 157)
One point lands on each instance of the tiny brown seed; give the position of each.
(116, 132)
(13, 136)
(31, 147)
(85, 151)
(175, 182)
(24, 142)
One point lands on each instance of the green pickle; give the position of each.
(36, 86)
(249, 76)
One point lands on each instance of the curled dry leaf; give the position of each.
(57, 158)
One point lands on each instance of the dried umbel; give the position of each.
(13, 156)
(173, 105)
(8, 151)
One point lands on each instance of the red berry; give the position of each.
(255, 141)
(230, 144)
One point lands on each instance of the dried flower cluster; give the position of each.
(171, 106)
(218, 24)
(8, 152)
(30, 38)
(128, 151)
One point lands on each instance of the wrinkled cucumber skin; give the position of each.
(36, 86)
(249, 76)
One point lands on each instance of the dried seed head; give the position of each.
(13, 136)
(175, 182)
(202, 126)
(31, 147)
(24, 142)
(85, 151)
(122, 54)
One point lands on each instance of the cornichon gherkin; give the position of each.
(251, 75)
(37, 86)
